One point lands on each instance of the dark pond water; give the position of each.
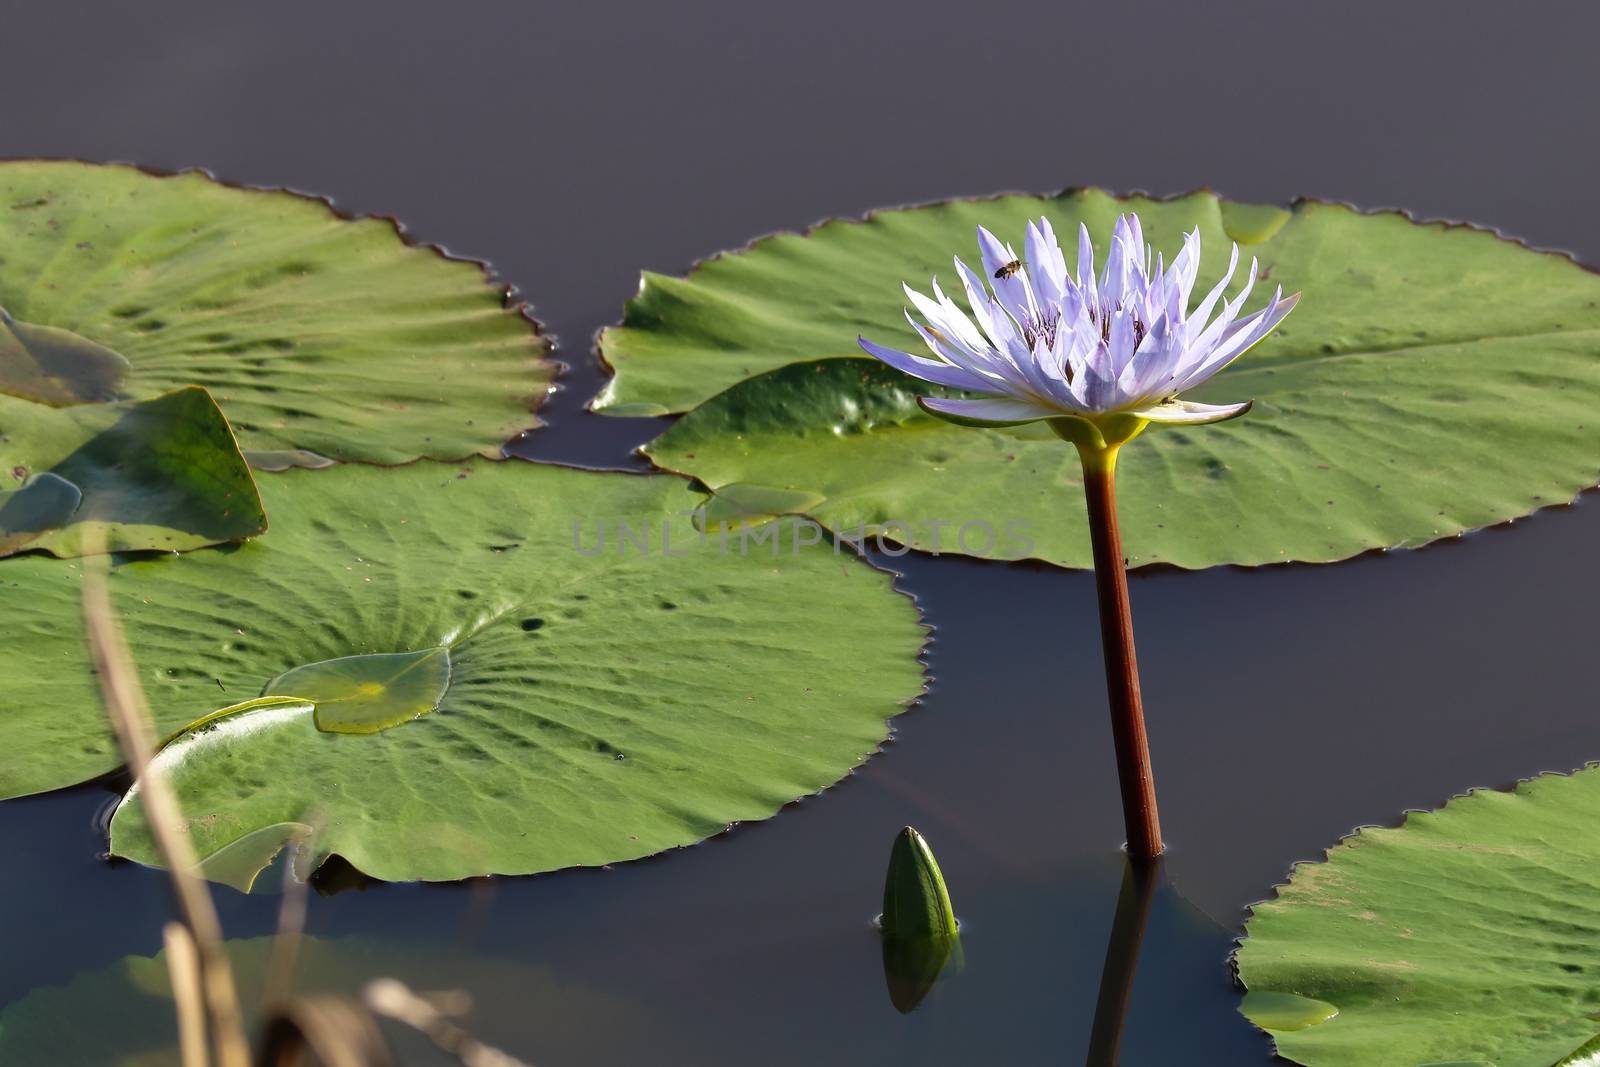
(1287, 705)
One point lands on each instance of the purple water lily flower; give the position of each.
(1048, 344)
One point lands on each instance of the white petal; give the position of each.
(1197, 317)
(1120, 341)
(997, 411)
(1249, 333)
(1185, 266)
(1086, 264)
(1011, 288)
(984, 309)
(1212, 335)
(929, 370)
(1047, 264)
(1096, 384)
(1189, 413)
(945, 317)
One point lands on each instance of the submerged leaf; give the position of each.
(157, 474)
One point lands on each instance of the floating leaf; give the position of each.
(54, 366)
(1285, 1012)
(599, 707)
(1435, 379)
(286, 459)
(365, 694)
(158, 474)
(45, 502)
(736, 506)
(1467, 935)
(313, 331)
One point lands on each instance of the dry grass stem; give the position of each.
(130, 718)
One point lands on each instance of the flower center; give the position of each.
(1043, 328)
(1104, 321)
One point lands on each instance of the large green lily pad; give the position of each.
(124, 1016)
(314, 332)
(1434, 379)
(1469, 934)
(156, 474)
(598, 706)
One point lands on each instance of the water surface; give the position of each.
(573, 146)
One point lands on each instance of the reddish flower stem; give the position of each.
(1122, 667)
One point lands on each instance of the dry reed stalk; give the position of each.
(393, 998)
(183, 970)
(130, 718)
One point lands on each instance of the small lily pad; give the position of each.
(365, 694)
(313, 330)
(586, 707)
(1434, 379)
(1285, 1012)
(1468, 935)
(50, 365)
(285, 459)
(45, 502)
(739, 505)
(160, 474)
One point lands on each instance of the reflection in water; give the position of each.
(1122, 960)
(912, 966)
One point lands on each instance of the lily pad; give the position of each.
(1435, 379)
(314, 331)
(1467, 935)
(368, 693)
(157, 474)
(53, 366)
(599, 706)
(282, 460)
(123, 1015)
